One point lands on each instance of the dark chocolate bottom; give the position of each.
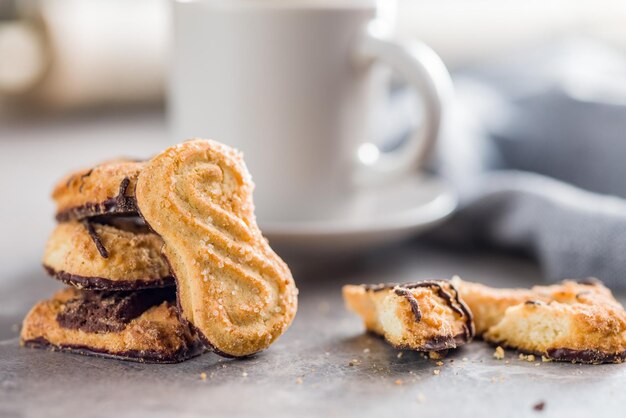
(572, 356)
(439, 343)
(101, 283)
(118, 205)
(127, 207)
(585, 356)
(446, 342)
(139, 356)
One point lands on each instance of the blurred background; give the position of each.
(533, 146)
(540, 89)
(73, 55)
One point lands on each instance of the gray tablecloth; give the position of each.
(536, 144)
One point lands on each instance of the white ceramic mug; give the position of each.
(292, 84)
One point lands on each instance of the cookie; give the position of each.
(107, 188)
(139, 326)
(121, 255)
(423, 316)
(573, 321)
(232, 288)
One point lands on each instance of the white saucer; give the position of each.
(373, 217)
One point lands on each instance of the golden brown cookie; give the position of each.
(572, 321)
(90, 255)
(107, 188)
(139, 326)
(232, 287)
(423, 316)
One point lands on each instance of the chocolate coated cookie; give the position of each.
(139, 326)
(423, 316)
(121, 255)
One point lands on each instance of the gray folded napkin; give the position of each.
(536, 145)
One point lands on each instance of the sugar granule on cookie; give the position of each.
(425, 316)
(232, 287)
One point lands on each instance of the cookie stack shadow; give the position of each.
(121, 297)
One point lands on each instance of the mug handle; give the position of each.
(426, 73)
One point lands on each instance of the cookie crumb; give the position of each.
(529, 358)
(439, 363)
(244, 374)
(400, 354)
(398, 382)
(539, 406)
(434, 355)
(354, 362)
(299, 381)
(366, 350)
(420, 397)
(465, 359)
(545, 359)
(203, 376)
(499, 353)
(436, 372)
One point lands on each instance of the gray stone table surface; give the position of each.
(325, 365)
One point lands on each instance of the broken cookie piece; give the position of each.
(138, 326)
(572, 321)
(422, 316)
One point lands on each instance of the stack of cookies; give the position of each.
(121, 302)
(164, 260)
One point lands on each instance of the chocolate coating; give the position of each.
(120, 204)
(437, 343)
(585, 356)
(573, 356)
(95, 238)
(415, 307)
(103, 311)
(101, 283)
(379, 287)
